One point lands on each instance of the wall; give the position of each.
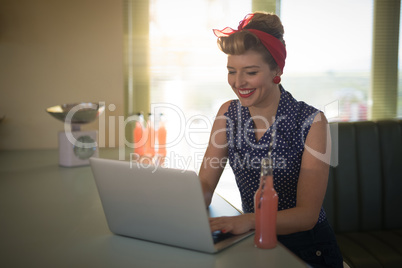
(55, 52)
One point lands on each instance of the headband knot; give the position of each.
(273, 44)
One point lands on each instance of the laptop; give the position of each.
(161, 205)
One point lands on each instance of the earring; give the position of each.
(277, 79)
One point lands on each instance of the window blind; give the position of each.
(384, 73)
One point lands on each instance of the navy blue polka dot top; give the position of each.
(292, 124)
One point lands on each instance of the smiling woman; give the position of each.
(266, 120)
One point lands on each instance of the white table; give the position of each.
(52, 216)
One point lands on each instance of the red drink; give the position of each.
(162, 139)
(138, 134)
(265, 208)
(150, 142)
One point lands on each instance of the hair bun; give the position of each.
(267, 22)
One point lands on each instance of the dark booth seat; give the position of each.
(364, 196)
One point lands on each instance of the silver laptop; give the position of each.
(161, 205)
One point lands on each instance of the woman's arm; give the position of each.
(215, 157)
(313, 179)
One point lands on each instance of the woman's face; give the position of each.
(251, 78)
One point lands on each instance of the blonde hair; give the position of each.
(242, 41)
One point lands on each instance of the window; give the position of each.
(329, 55)
(188, 74)
(399, 105)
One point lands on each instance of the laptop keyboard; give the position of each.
(218, 236)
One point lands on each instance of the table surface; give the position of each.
(52, 216)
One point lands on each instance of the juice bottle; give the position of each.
(162, 137)
(265, 208)
(150, 134)
(138, 135)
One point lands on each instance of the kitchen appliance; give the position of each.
(76, 146)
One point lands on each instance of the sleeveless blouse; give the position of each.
(292, 123)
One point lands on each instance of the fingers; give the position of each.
(222, 224)
(235, 225)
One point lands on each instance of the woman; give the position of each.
(243, 130)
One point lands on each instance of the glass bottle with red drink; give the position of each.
(266, 207)
(138, 135)
(162, 136)
(150, 134)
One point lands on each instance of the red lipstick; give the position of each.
(246, 92)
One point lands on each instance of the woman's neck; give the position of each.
(266, 111)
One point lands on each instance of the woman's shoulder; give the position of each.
(299, 109)
(227, 107)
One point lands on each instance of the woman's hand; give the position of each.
(235, 224)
